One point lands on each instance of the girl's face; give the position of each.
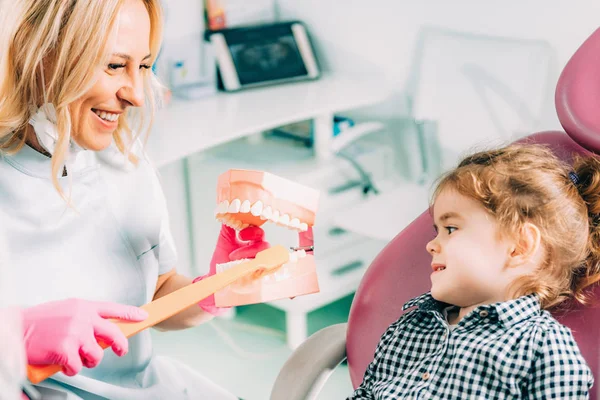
(469, 258)
(118, 84)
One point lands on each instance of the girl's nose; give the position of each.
(433, 246)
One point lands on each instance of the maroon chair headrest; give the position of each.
(577, 96)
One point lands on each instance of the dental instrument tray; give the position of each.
(261, 55)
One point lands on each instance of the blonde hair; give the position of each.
(528, 183)
(49, 53)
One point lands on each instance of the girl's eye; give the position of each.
(450, 229)
(145, 66)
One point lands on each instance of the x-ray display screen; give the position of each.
(267, 55)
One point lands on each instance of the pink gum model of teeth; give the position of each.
(247, 198)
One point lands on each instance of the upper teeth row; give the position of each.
(259, 210)
(107, 116)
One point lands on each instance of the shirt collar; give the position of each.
(34, 163)
(508, 313)
(520, 309)
(425, 302)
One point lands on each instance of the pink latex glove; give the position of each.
(65, 332)
(231, 247)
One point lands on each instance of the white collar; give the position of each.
(43, 120)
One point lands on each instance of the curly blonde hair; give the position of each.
(528, 183)
(49, 53)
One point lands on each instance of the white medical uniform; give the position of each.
(12, 351)
(110, 246)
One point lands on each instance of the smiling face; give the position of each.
(469, 258)
(118, 83)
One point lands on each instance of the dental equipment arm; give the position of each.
(337, 147)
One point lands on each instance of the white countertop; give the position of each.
(186, 127)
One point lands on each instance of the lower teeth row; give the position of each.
(294, 257)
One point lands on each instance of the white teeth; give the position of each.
(223, 207)
(284, 220)
(257, 208)
(235, 206)
(275, 216)
(229, 221)
(234, 223)
(266, 214)
(106, 116)
(245, 207)
(282, 273)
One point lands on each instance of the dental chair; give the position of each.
(401, 271)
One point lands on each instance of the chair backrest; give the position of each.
(401, 271)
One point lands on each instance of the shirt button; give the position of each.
(426, 376)
(483, 314)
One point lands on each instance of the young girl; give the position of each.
(517, 234)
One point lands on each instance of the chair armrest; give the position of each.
(310, 364)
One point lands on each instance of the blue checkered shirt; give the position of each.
(509, 350)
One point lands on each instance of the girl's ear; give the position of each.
(527, 246)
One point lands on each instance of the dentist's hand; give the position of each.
(65, 332)
(230, 247)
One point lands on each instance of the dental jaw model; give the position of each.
(247, 198)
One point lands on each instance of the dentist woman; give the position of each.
(12, 359)
(84, 214)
